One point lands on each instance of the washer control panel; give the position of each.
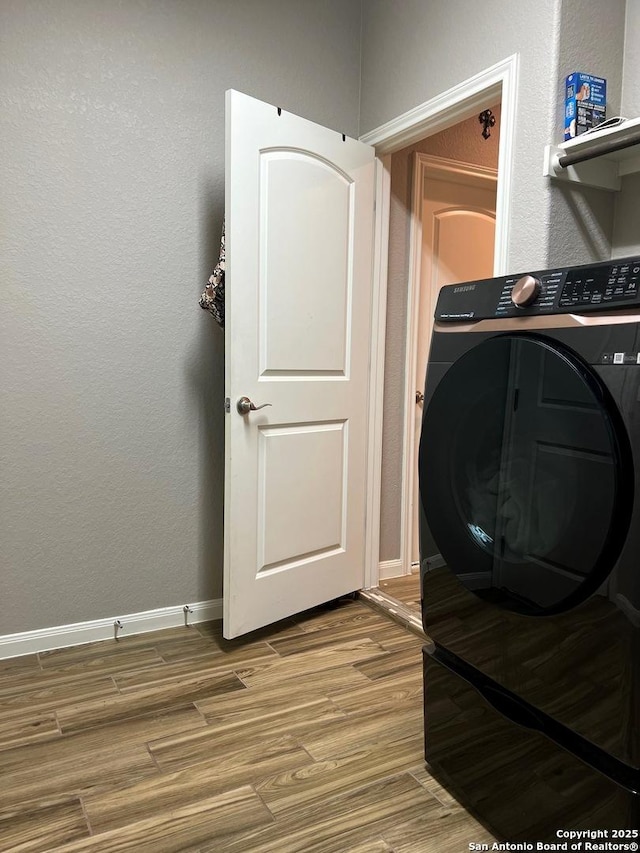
(594, 286)
(545, 298)
(525, 291)
(577, 290)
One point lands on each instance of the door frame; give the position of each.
(425, 166)
(498, 82)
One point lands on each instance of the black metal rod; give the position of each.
(606, 146)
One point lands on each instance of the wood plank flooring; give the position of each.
(399, 599)
(306, 736)
(405, 589)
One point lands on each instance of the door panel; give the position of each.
(299, 202)
(458, 236)
(301, 519)
(461, 246)
(306, 220)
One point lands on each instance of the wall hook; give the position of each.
(487, 119)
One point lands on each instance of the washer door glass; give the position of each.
(525, 474)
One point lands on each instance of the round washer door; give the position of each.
(525, 474)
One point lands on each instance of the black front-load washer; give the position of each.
(529, 469)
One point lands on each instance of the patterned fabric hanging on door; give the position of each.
(212, 298)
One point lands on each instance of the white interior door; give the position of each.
(299, 231)
(458, 237)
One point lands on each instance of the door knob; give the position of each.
(244, 406)
(419, 397)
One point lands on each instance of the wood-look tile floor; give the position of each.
(306, 736)
(399, 599)
(405, 589)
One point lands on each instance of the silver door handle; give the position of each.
(244, 406)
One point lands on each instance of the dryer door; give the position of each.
(525, 474)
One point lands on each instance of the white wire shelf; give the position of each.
(599, 159)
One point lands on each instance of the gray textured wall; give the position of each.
(626, 237)
(627, 224)
(111, 128)
(112, 176)
(631, 65)
(592, 38)
(413, 51)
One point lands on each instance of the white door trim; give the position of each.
(376, 372)
(455, 171)
(425, 166)
(499, 82)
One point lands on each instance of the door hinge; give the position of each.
(227, 404)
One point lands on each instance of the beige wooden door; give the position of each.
(299, 231)
(458, 236)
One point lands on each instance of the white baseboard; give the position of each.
(390, 569)
(61, 636)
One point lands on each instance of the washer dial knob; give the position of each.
(525, 291)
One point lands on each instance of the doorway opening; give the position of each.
(443, 191)
(443, 153)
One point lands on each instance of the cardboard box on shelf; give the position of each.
(585, 103)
